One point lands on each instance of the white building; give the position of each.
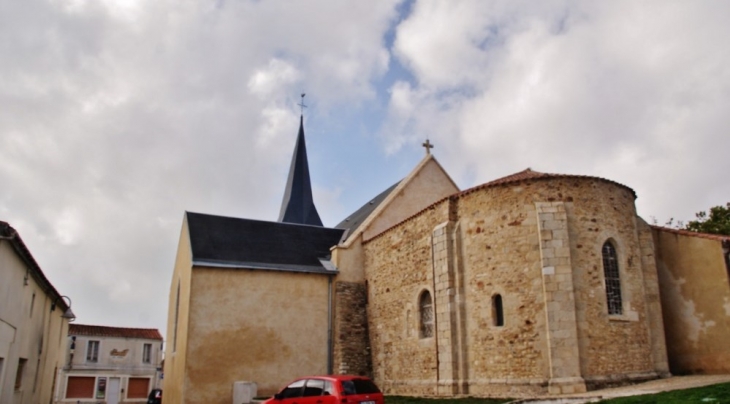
(34, 319)
(110, 364)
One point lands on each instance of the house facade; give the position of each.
(112, 365)
(34, 319)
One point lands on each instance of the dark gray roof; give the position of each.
(298, 204)
(220, 241)
(353, 221)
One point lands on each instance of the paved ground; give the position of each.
(651, 387)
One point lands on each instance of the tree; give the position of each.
(717, 222)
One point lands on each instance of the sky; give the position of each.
(117, 116)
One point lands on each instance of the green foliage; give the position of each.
(715, 394)
(717, 222)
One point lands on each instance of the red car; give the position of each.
(329, 390)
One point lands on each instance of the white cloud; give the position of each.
(630, 91)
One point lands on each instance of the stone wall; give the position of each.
(537, 244)
(398, 266)
(351, 341)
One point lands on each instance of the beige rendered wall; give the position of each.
(268, 327)
(695, 295)
(36, 335)
(174, 381)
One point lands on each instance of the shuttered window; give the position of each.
(80, 387)
(138, 387)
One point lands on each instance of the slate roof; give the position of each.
(7, 232)
(118, 332)
(353, 221)
(298, 204)
(218, 241)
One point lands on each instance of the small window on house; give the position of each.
(92, 351)
(611, 275)
(147, 353)
(425, 306)
(19, 373)
(497, 311)
(32, 304)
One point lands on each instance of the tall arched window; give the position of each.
(497, 311)
(611, 275)
(425, 307)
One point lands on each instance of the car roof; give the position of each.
(334, 377)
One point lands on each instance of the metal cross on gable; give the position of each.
(301, 104)
(427, 144)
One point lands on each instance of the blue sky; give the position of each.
(119, 115)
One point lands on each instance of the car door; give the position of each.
(292, 394)
(316, 393)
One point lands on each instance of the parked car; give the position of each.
(155, 397)
(329, 390)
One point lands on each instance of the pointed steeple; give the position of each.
(298, 204)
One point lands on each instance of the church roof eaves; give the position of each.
(525, 175)
(529, 174)
(312, 269)
(718, 237)
(219, 241)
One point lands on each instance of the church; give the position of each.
(526, 285)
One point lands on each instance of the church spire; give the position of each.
(298, 204)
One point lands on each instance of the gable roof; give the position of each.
(353, 221)
(118, 332)
(366, 215)
(226, 242)
(298, 203)
(7, 232)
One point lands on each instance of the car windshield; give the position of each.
(359, 386)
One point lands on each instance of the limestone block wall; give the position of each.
(398, 266)
(614, 348)
(501, 256)
(351, 353)
(536, 247)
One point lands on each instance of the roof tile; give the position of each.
(119, 332)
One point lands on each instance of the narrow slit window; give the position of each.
(613, 281)
(497, 311)
(425, 306)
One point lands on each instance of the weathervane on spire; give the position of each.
(301, 104)
(427, 144)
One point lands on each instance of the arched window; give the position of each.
(425, 307)
(613, 282)
(497, 312)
